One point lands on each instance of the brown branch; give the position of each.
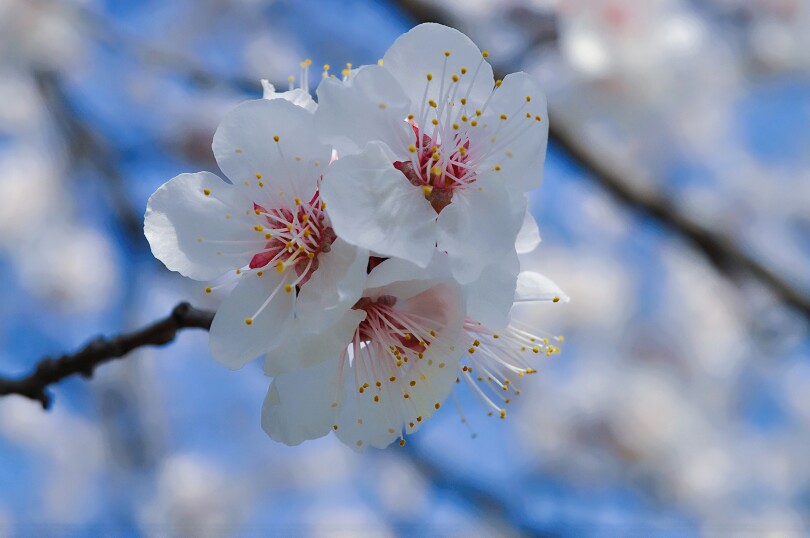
(101, 350)
(724, 254)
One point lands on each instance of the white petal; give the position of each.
(422, 50)
(490, 297)
(334, 287)
(247, 152)
(529, 234)
(369, 106)
(298, 406)
(478, 228)
(192, 232)
(520, 144)
(532, 286)
(372, 205)
(303, 348)
(298, 97)
(404, 279)
(233, 342)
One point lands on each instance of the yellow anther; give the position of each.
(435, 121)
(538, 118)
(429, 76)
(260, 273)
(297, 201)
(432, 103)
(476, 342)
(462, 150)
(455, 78)
(485, 54)
(392, 379)
(497, 168)
(348, 65)
(261, 185)
(436, 156)
(288, 288)
(376, 398)
(410, 117)
(503, 413)
(207, 192)
(259, 176)
(447, 54)
(556, 299)
(307, 232)
(412, 148)
(280, 266)
(536, 349)
(291, 78)
(436, 171)
(561, 339)
(238, 271)
(473, 123)
(471, 351)
(406, 395)
(326, 67)
(437, 405)
(432, 332)
(382, 106)
(528, 98)
(208, 290)
(498, 83)
(419, 419)
(304, 218)
(463, 71)
(248, 321)
(503, 116)
(496, 336)
(259, 228)
(455, 126)
(334, 427)
(257, 211)
(276, 138)
(380, 61)
(402, 442)
(463, 100)
(464, 118)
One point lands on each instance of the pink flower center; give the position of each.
(295, 237)
(392, 332)
(438, 168)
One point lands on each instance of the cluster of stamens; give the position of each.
(294, 237)
(493, 359)
(391, 360)
(448, 152)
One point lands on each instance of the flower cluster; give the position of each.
(373, 239)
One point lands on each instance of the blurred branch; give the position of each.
(726, 256)
(101, 350)
(86, 145)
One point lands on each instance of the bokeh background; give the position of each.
(680, 404)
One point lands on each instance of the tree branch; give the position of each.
(101, 350)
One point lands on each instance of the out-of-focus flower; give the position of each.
(433, 152)
(267, 230)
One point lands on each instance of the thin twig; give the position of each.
(101, 350)
(723, 253)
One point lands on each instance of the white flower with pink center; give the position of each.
(267, 230)
(433, 152)
(393, 362)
